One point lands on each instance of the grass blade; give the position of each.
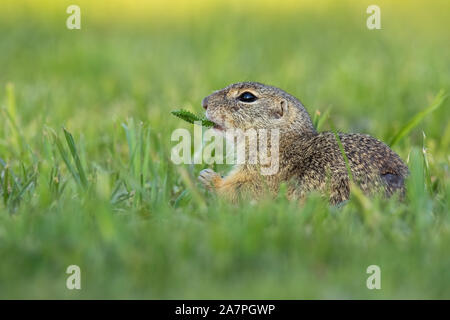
(10, 113)
(76, 157)
(25, 187)
(426, 167)
(437, 102)
(5, 186)
(65, 158)
(341, 148)
(319, 118)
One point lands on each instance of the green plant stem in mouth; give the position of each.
(191, 118)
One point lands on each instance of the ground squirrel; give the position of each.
(308, 160)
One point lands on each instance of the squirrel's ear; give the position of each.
(283, 108)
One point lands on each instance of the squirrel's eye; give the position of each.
(247, 97)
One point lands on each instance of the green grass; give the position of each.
(85, 170)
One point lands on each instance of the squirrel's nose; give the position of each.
(205, 103)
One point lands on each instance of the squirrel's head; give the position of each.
(252, 105)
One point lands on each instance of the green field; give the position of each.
(141, 227)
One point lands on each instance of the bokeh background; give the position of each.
(139, 227)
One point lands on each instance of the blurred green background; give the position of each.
(139, 226)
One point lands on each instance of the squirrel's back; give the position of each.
(320, 164)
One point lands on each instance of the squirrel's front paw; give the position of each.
(209, 178)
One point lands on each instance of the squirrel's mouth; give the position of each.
(216, 126)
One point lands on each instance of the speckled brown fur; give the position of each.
(308, 160)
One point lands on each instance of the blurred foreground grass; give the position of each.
(137, 225)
